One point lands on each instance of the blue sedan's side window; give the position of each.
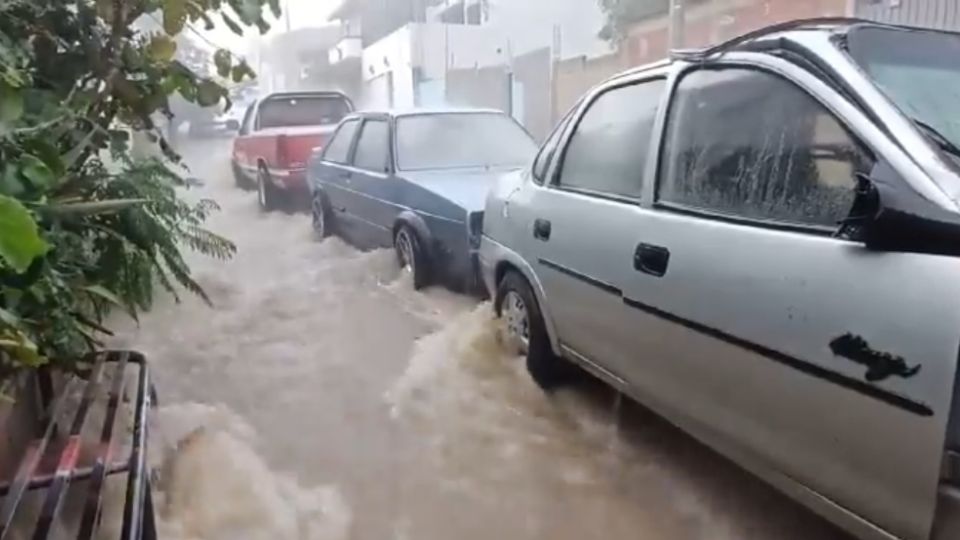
(338, 151)
(373, 147)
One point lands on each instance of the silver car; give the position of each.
(760, 242)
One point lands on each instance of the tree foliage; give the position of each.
(622, 14)
(84, 228)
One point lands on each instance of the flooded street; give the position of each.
(322, 398)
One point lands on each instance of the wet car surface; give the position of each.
(322, 398)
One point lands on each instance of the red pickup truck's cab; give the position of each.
(276, 138)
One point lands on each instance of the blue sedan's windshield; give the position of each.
(461, 140)
(918, 70)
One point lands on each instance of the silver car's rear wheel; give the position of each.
(515, 315)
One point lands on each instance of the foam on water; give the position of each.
(214, 485)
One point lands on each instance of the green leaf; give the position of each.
(48, 153)
(223, 60)
(35, 171)
(242, 71)
(104, 293)
(275, 8)
(20, 241)
(72, 155)
(232, 25)
(91, 208)
(174, 16)
(263, 26)
(8, 318)
(209, 93)
(11, 103)
(20, 347)
(162, 48)
(10, 183)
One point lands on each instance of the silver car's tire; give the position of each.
(516, 304)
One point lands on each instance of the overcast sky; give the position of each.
(303, 13)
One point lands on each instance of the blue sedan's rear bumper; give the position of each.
(461, 272)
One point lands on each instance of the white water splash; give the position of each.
(213, 485)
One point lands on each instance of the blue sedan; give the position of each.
(417, 182)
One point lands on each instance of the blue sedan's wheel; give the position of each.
(319, 217)
(411, 257)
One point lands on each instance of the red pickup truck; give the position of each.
(275, 141)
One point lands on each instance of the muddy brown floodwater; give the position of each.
(322, 398)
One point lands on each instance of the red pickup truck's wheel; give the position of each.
(240, 179)
(267, 194)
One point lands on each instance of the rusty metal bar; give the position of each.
(40, 481)
(139, 520)
(69, 455)
(91, 512)
(30, 462)
(138, 480)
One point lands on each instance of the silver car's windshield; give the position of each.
(455, 140)
(918, 70)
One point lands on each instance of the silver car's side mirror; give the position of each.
(889, 215)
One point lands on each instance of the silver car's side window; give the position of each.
(338, 151)
(541, 165)
(750, 144)
(607, 152)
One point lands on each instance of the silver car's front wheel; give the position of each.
(516, 317)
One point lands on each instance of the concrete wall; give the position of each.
(486, 87)
(530, 25)
(532, 76)
(389, 58)
(575, 76)
(942, 14)
(718, 20)
(424, 52)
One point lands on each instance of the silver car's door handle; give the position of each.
(651, 259)
(542, 229)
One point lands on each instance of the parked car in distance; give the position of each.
(760, 242)
(276, 138)
(218, 124)
(416, 181)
